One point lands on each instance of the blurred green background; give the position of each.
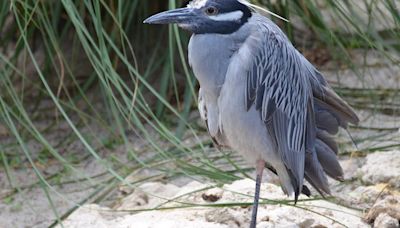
(90, 95)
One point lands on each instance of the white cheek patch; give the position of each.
(231, 16)
(197, 4)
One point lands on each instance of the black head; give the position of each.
(206, 16)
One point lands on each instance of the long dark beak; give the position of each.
(175, 16)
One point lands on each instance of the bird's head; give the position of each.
(206, 16)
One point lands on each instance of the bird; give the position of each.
(260, 96)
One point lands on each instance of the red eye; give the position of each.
(211, 11)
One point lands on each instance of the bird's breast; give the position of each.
(209, 57)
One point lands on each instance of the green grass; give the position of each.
(90, 73)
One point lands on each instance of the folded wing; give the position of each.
(300, 110)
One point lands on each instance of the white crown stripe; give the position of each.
(231, 16)
(197, 4)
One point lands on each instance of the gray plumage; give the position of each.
(269, 102)
(259, 96)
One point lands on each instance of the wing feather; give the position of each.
(299, 108)
(277, 85)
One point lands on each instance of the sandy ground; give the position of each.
(381, 194)
(370, 194)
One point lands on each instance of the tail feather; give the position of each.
(328, 140)
(326, 120)
(337, 106)
(314, 173)
(330, 113)
(328, 160)
(327, 99)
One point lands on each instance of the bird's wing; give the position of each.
(298, 107)
(331, 111)
(278, 86)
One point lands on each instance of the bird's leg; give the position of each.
(259, 171)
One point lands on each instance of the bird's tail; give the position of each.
(330, 113)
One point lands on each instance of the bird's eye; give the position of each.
(211, 11)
